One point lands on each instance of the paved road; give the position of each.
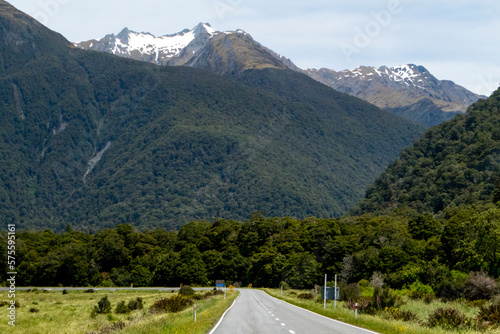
(256, 312)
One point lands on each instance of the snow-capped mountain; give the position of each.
(408, 90)
(203, 47)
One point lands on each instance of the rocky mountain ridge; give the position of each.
(409, 91)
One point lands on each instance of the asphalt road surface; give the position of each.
(256, 312)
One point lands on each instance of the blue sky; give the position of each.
(455, 40)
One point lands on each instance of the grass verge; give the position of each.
(70, 313)
(376, 323)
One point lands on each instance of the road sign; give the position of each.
(330, 293)
(231, 288)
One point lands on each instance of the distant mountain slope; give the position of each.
(457, 162)
(408, 90)
(95, 140)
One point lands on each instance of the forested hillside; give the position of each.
(94, 140)
(455, 163)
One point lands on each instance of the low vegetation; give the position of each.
(108, 311)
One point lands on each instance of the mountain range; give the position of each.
(409, 91)
(94, 140)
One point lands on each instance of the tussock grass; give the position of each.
(70, 313)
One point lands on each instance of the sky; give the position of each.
(455, 40)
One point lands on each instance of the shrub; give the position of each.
(477, 303)
(293, 293)
(103, 306)
(453, 287)
(377, 280)
(135, 304)
(418, 290)
(479, 286)
(397, 314)
(172, 304)
(428, 299)
(121, 308)
(3, 303)
(65, 292)
(447, 318)
(306, 295)
(89, 291)
(17, 304)
(186, 291)
(34, 310)
(349, 292)
(489, 314)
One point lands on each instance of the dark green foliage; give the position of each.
(135, 304)
(122, 308)
(455, 163)
(173, 304)
(65, 292)
(447, 318)
(186, 291)
(349, 292)
(305, 295)
(175, 144)
(89, 291)
(103, 306)
(34, 310)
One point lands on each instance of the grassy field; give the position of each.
(70, 314)
(384, 323)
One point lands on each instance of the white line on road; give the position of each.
(291, 332)
(282, 324)
(220, 320)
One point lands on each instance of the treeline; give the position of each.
(266, 251)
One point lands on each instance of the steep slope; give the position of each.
(95, 140)
(454, 163)
(226, 52)
(410, 91)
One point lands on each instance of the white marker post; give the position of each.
(335, 295)
(356, 311)
(282, 290)
(194, 306)
(324, 299)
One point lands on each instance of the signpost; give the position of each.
(324, 297)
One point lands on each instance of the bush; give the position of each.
(489, 314)
(293, 293)
(89, 291)
(453, 287)
(65, 292)
(186, 291)
(377, 280)
(397, 314)
(121, 308)
(172, 304)
(349, 292)
(479, 286)
(428, 299)
(447, 318)
(3, 303)
(418, 290)
(135, 304)
(34, 310)
(306, 295)
(103, 306)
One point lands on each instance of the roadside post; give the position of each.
(335, 297)
(194, 306)
(356, 311)
(324, 296)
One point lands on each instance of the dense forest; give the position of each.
(436, 251)
(454, 163)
